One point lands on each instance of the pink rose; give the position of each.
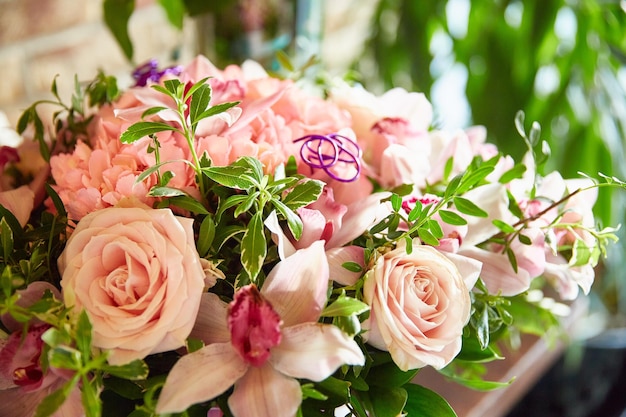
(419, 306)
(137, 274)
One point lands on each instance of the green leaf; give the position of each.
(516, 172)
(247, 203)
(472, 351)
(64, 357)
(352, 266)
(415, 211)
(157, 191)
(477, 384)
(293, 220)
(503, 226)
(396, 202)
(453, 185)
(232, 201)
(52, 402)
(423, 402)
(217, 109)
(581, 253)
(253, 247)
(56, 200)
(465, 206)
(427, 237)
(231, 176)
(83, 334)
(199, 102)
(152, 110)
(175, 11)
(435, 228)
(173, 87)
(389, 375)
(452, 218)
(140, 130)
(388, 402)
(116, 14)
(254, 165)
(134, 371)
(206, 235)
(6, 238)
(90, 399)
(474, 177)
(303, 194)
(345, 306)
(188, 203)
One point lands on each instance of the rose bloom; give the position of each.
(138, 275)
(419, 306)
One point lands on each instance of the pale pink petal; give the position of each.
(285, 247)
(360, 215)
(314, 351)
(297, 286)
(469, 268)
(493, 199)
(498, 273)
(19, 202)
(200, 376)
(338, 256)
(313, 223)
(211, 323)
(263, 392)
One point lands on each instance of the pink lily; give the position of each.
(262, 342)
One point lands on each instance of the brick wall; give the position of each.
(40, 39)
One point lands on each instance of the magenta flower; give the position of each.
(261, 342)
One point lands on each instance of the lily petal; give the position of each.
(211, 324)
(338, 256)
(200, 376)
(285, 247)
(358, 218)
(263, 392)
(314, 351)
(498, 273)
(297, 286)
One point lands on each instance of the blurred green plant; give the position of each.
(562, 62)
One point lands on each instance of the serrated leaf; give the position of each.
(133, 371)
(293, 220)
(253, 247)
(246, 204)
(231, 176)
(157, 191)
(232, 201)
(188, 203)
(206, 234)
(152, 110)
(423, 402)
(452, 218)
(83, 334)
(465, 206)
(217, 109)
(303, 194)
(6, 237)
(199, 102)
(140, 130)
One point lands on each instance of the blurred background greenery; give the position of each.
(562, 62)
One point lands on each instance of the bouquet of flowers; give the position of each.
(226, 242)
